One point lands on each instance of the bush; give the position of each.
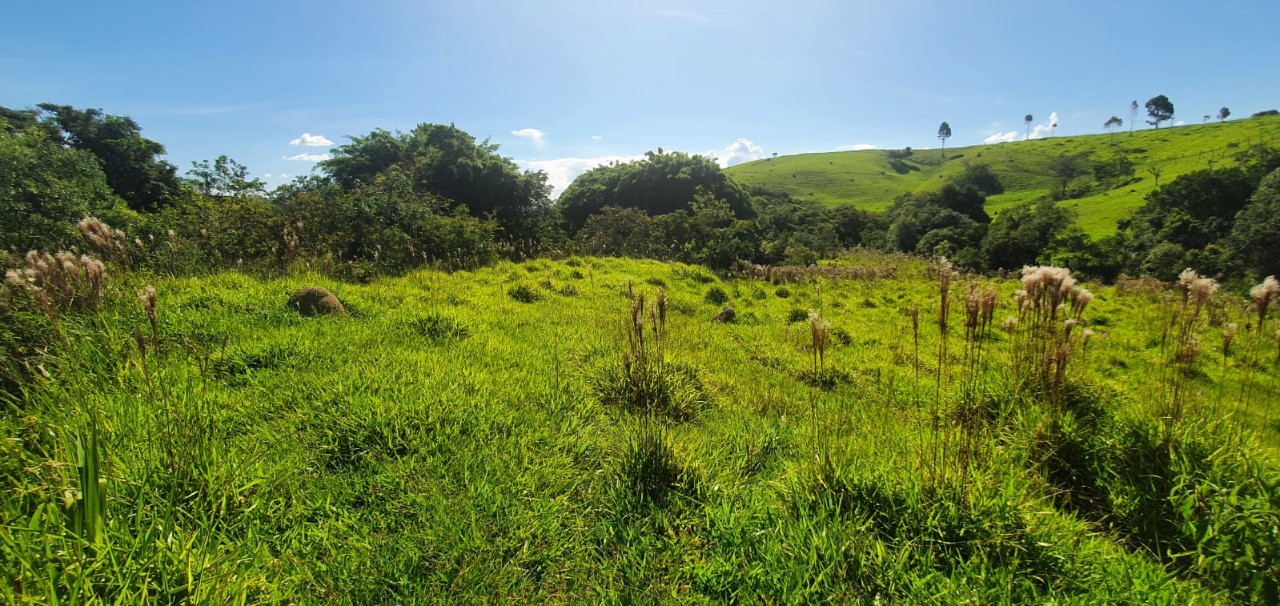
(524, 293)
(438, 327)
(716, 296)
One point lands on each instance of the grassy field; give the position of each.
(506, 435)
(867, 180)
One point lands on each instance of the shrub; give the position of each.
(438, 327)
(647, 467)
(716, 296)
(524, 293)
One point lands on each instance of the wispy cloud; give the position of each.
(311, 140)
(742, 150)
(304, 157)
(562, 171)
(856, 147)
(531, 134)
(597, 137)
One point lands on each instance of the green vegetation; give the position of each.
(871, 180)
(888, 430)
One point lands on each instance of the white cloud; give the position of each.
(531, 134)
(308, 157)
(742, 150)
(562, 171)
(1012, 135)
(1179, 123)
(266, 176)
(856, 147)
(1040, 131)
(311, 140)
(597, 137)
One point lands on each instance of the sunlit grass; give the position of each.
(448, 441)
(867, 180)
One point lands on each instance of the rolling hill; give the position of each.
(872, 179)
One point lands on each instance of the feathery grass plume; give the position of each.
(1228, 335)
(1043, 342)
(818, 333)
(108, 242)
(61, 280)
(1262, 296)
(148, 299)
(944, 292)
(1085, 336)
(662, 311)
(1185, 279)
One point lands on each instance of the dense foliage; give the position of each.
(658, 184)
(446, 162)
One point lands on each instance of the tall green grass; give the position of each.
(448, 441)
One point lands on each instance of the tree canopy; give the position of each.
(1160, 109)
(130, 161)
(659, 183)
(45, 188)
(445, 161)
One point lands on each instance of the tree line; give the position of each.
(387, 202)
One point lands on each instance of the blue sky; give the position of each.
(563, 85)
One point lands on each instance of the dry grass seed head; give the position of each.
(1262, 296)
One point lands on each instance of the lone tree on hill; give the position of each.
(1223, 114)
(1160, 108)
(1133, 114)
(1028, 119)
(944, 133)
(1112, 123)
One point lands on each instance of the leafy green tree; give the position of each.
(1223, 113)
(130, 161)
(657, 184)
(785, 223)
(1255, 234)
(1028, 119)
(944, 133)
(1112, 171)
(1102, 259)
(1195, 210)
(912, 216)
(225, 177)
(1066, 167)
(446, 162)
(619, 232)
(1159, 109)
(980, 178)
(45, 189)
(1111, 123)
(855, 226)
(1018, 235)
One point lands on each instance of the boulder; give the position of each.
(316, 301)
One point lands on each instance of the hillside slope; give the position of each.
(868, 179)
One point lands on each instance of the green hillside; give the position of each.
(869, 180)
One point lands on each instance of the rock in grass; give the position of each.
(727, 316)
(316, 301)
